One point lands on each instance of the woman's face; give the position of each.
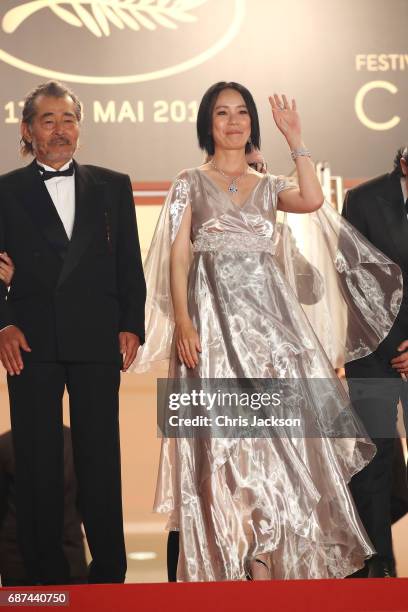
(231, 123)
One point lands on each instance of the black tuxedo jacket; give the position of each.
(71, 298)
(376, 209)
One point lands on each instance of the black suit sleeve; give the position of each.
(353, 212)
(131, 282)
(7, 316)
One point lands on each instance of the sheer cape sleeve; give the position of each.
(159, 307)
(350, 291)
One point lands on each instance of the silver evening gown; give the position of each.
(232, 499)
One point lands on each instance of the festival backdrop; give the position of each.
(141, 66)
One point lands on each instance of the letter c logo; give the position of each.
(360, 112)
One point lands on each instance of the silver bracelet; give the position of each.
(300, 153)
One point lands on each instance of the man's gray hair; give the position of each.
(51, 89)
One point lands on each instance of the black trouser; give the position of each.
(36, 418)
(12, 582)
(375, 401)
(173, 540)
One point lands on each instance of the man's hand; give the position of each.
(128, 343)
(6, 268)
(287, 119)
(400, 363)
(12, 340)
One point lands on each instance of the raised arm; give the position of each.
(187, 339)
(308, 196)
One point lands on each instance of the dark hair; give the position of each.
(51, 89)
(204, 117)
(402, 153)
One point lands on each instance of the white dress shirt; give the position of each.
(62, 193)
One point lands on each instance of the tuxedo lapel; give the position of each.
(88, 194)
(393, 210)
(33, 195)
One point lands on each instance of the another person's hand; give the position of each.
(6, 268)
(256, 160)
(187, 343)
(128, 345)
(287, 119)
(400, 363)
(12, 340)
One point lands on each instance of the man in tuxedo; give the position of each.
(72, 318)
(378, 209)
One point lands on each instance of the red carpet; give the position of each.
(380, 595)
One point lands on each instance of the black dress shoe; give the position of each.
(379, 567)
(361, 573)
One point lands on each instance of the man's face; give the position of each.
(54, 131)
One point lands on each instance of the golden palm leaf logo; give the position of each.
(99, 15)
(102, 18)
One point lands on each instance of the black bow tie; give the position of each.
(49, 174)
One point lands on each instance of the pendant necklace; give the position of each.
(233, 180)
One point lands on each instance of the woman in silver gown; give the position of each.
(224, 292)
